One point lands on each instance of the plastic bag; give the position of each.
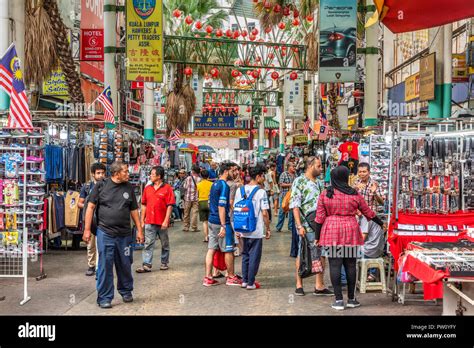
(219, 261)
(310, 259)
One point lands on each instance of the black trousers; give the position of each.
(335, 264)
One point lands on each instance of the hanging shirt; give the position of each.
(71, 209)
(11, 161)
(349, 150)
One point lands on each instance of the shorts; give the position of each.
(226, 244)
(204, 211)
(311, 236)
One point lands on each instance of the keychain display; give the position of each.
(380, 164)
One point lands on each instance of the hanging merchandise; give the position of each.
(71, 207)
(380, 167)
(349, 155)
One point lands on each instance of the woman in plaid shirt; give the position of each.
(339, 232)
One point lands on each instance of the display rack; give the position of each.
(381, 163)
(14, 245)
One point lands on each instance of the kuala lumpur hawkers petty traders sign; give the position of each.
(144, 22)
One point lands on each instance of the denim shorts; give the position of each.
(311, 236)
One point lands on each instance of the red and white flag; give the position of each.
(105, 98)
(175, 135)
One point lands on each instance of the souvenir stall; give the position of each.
(432, 183)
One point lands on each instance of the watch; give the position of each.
(300, 226)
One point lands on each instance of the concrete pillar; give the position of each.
(149, 102)
(447, 69)
(436, 38)
(371, 70)
(4, 43)
(110, 72)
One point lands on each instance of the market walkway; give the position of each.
(178, 291)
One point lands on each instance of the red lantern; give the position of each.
(189, 20)
(268, 30)
(188, 71)
(163, 109)
(286, 11)
(267, 5)
(214, 72)
(255, 31)
(198, 25)
(244, 33)
(252, 37)
(265, 110)
(296, 22)
(275, 75)
(295, 49)
(310, 18)
(236, 109)
(255, 74)
(267, 131)
(228, 33)
(271, 56)
(236, 34)
(277, 8)
(258, 59)
(176, 13)
(293, 76)
(209, 29)
(249, 109)
(219, 32)
(235, 73)
(281, 25)
(296, 13)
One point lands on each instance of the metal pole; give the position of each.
(26, 298)
(447, 69)
(261, 128)
(4, 43)
(282, 122)
(110, 72)
(149, 101)
(372, 71)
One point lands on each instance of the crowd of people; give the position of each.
(235, 206)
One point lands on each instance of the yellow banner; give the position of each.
(144, 20)
(412, 87)
(56, 85)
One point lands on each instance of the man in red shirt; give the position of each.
(157, 205)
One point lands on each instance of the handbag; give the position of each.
(285, 203)
(310, 259)
(219, 261)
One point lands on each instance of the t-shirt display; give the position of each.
(114, 203)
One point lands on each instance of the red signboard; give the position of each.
(92, 17)
(92, 44)
(138, 84)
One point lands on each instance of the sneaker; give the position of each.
(244, 285)
(324, 292)
(90, 271)
(35, 192)
(234, 281)
(209, 282)
(164, 267)
(299, 292)
(34, 202)
(127, 298)
(255, 286)
(338, 305)
(105, 305)
(353, 303)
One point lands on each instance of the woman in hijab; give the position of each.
(338, 232)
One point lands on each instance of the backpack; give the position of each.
(285, 202)
(245, 220)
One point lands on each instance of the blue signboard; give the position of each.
(214, 122)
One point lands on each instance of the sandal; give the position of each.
(144, 269)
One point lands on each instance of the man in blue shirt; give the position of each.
(213, 172)
(221, 234)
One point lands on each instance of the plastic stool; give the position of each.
(363, 266)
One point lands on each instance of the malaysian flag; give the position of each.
(175, 135)
(106, 100)
(11, 80)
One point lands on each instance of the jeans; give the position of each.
(281, 218)
(251, 256)
(335, 264)
(114, 251)
(177, 212)
(295, 239)
(151, 231)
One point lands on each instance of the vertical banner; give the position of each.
(196, 84)
(338, 41)
(293, 96)
(92, 44)
(144, 19)
(427, 77)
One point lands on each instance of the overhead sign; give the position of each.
(55, 85)
(134, 113)
(160, 124)
(214, 122)
(338, 41)
(196, 84)
(460, 70)
(293, 96)
(92, 17)
(300, 139)
(240, 133)
(144, 22)
(412, 87)
(92, 44)
(427, 77)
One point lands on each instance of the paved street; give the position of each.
(178, 291)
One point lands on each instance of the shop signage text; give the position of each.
(134, 112)
(412, 87)
(55, 85)
(214, 122)
(427, 77)
(92, 44)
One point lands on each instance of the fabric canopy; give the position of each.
(408, 15)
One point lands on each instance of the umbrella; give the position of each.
(206, 148)
(188, 148)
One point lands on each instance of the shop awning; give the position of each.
(270, 123)
(408, 15)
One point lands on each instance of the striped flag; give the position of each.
(324, 119)
(306, 127)
(11, 80)
(175, 135)
(106, 100)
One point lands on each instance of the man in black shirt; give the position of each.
(116, 203)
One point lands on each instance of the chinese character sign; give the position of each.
(144, 40)
(293, 96)
(214, 122)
